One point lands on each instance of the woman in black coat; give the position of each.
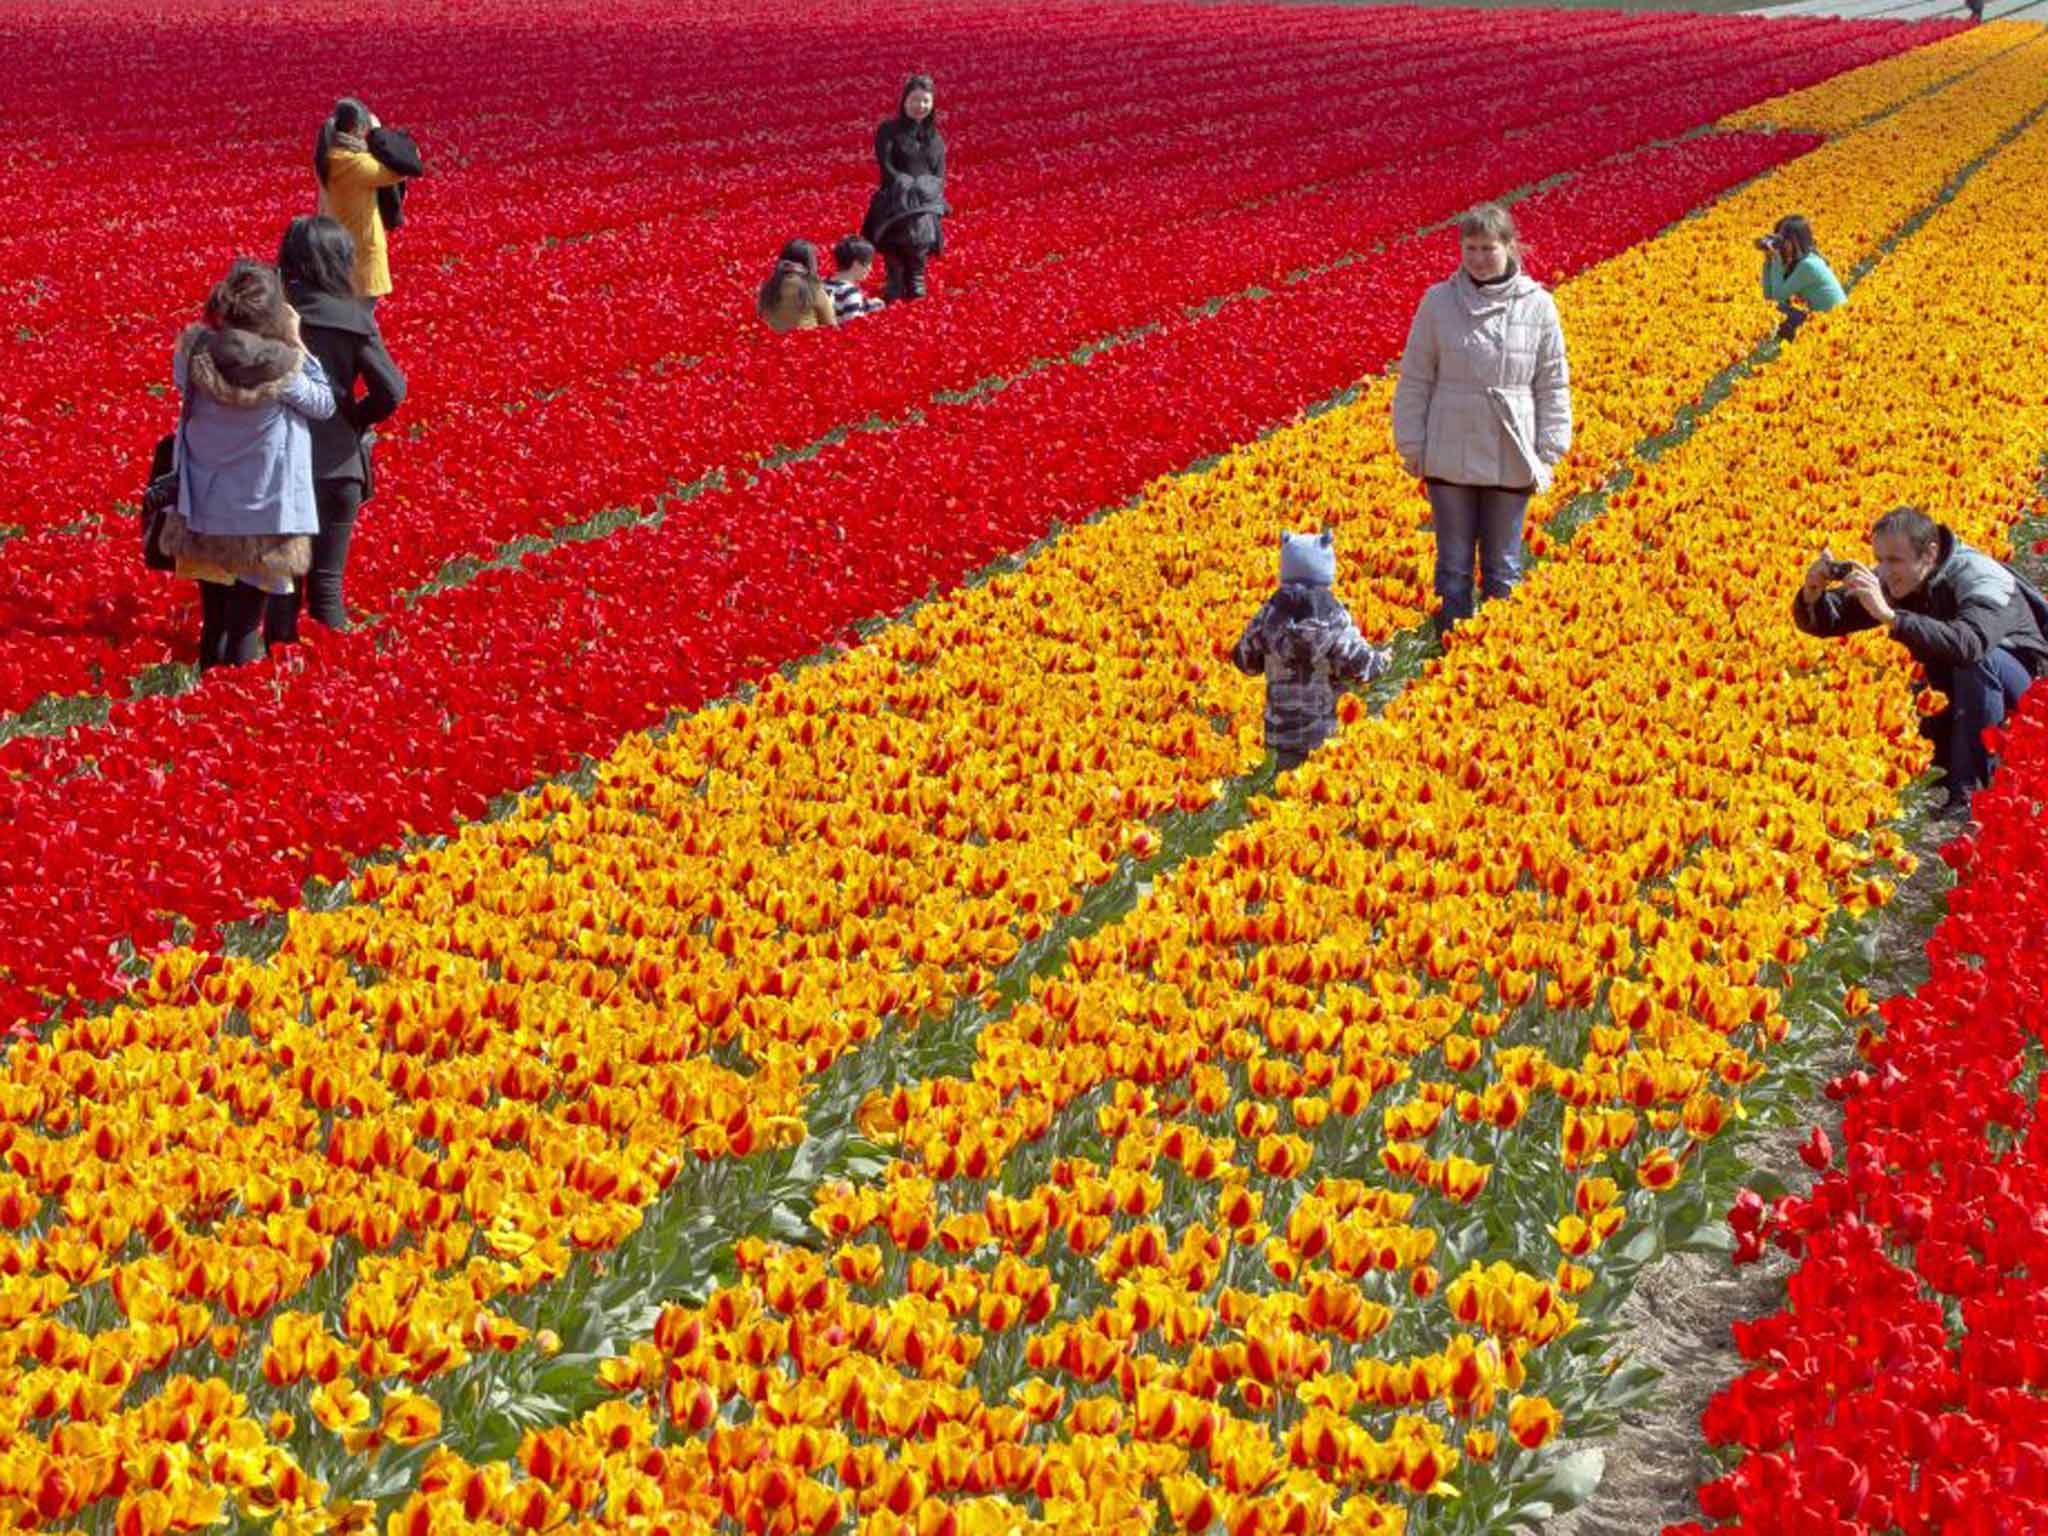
(317, 262)
(906, 216)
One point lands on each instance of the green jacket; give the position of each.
(1811, 282)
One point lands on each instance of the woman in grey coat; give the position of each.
(1483, 409)
(245, 512)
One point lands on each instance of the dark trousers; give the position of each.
(1795, 317)
(903, 272)
(319, 592)
(1487, 519)
(230, 624)
(1979, 697)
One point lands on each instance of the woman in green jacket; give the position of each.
(1797, 277)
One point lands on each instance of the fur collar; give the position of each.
(238, 368)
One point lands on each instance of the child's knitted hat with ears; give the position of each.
(1309, 557)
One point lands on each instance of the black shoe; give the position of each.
(1954, 807)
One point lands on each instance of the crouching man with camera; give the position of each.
(1969, 620)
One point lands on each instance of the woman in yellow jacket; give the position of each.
(350, 177)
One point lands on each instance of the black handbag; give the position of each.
(160, 495)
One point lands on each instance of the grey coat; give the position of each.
(1306, 644)
(245, 462)
(1485, 393)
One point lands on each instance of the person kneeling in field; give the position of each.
(1980, 631)
(1797, 278)
(1303, 639)
(793, 299)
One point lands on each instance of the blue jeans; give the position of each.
(1979, 697)
(1469, 516)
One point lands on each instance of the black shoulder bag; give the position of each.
(160, 495)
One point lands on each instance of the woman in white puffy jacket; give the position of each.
(1483, 410)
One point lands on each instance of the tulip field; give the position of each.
(1869, 1408)
(766, 985)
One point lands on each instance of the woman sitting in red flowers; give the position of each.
(795, 298)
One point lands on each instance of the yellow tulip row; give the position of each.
(1691, 788)
(1839, 104)
(425, 1104)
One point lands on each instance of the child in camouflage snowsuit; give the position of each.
(1303, 639)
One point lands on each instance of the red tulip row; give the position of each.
(467, 481)
(212, 803)
(697, 220)
(722, 108)
(1901, 1386)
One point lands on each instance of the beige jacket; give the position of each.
(1485, 393)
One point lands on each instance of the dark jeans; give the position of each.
(1795, 317)
(903, 272)
(1487, 518)
(1979, 697)
(230, 624)
(319, 593)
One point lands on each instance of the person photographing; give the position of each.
(1797, 278)
(362, 167)
(1980, 632)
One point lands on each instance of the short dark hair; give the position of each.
(318, 255)
(249, 298)
(1912, 525)
(852, 251)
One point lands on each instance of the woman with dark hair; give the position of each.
(794, 298)
(906, 215)
(362, 167)
(317, 260)
(245, 508)
(1797, 277)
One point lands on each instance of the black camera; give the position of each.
(1767, 243)
(1839, 570)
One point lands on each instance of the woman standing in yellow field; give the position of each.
(363, 167)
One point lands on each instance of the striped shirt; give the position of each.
(848, 302)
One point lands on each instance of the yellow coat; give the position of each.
(349, 195)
